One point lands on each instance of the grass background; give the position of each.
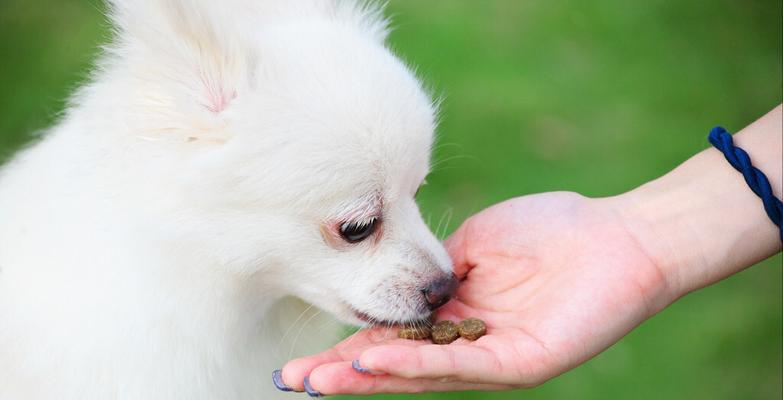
(596, 97)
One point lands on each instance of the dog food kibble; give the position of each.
(420, 332)
(472, 328)
(444, 332)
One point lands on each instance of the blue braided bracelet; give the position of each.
(739, 159)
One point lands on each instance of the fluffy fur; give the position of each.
(199, 178)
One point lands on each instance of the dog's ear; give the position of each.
(187, 62)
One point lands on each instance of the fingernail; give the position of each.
(277, 379)
(358, 368)
(309, 389)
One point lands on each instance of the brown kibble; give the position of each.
(472, 328)
(444, 332)
(415, 332)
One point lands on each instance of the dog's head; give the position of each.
(304, 141)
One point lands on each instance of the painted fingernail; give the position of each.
(277, 379)
(309, 389)
(358, 368)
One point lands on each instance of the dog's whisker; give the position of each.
(296, 339)
(449, 214)
(324, 325)
(291, 327)
(444, 145)
(438, 164)
(388, 328)
(440, 222)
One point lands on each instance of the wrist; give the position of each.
(659, 217)
(700, 223)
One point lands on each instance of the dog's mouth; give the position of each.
(387, 323)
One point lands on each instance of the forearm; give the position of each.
(701, 222)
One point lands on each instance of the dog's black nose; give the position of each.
(440, 291)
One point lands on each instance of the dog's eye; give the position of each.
(355, 232)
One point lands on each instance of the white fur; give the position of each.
(147, 240)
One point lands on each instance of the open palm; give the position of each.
(556, 277)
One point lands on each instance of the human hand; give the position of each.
(556, 277)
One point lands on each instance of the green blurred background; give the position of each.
(591, 96)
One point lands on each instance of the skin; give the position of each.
(558, 277)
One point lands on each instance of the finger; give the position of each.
(342, 378)
(461, 361)
(294, 372)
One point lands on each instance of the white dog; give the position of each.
(224, 155)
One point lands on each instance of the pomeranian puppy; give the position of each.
(224, 155)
